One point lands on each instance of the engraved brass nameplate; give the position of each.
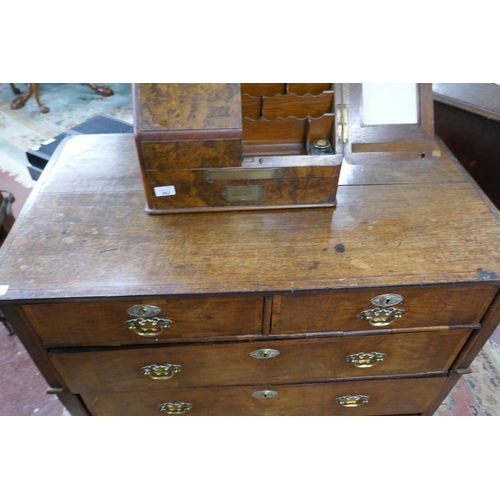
(242, 193)
(243, 174)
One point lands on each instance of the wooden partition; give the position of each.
(285, 118)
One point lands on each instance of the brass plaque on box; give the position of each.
(242, 193)
(242, 174)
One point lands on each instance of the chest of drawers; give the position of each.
(374, 307)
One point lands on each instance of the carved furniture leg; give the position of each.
(36, 91)
(20, 101)
(104, 91)
(15, 89)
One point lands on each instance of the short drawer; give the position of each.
(373, 397)
(372, 309)
(110, 323)
(258, 362)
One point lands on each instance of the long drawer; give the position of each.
(373, 397)
(371, 309)
(258, 362)
(109, 322)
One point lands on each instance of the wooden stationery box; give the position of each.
(229, 146)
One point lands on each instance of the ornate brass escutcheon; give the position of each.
(175, 408)
(148, 327)
(265, 394)
(352, 401)
(144, 311)
(265, 353)
(384, 313)
(365, 359)
(160, 372)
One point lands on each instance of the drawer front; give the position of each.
(108, 323)
(382, 397)
(258, 362)
(353, 310)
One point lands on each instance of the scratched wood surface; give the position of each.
(85, 233)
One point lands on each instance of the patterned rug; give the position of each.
(478, 393)
(70, 104)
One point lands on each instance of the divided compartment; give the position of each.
(285, 119)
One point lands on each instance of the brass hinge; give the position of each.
(343, 122)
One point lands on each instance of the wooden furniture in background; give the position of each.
(374, 307)
(34, 88)
(467, 117)
(7, 218)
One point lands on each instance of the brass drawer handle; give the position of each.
(365, 359)
(148, 327)
(160, 372)
(352, 401)
(265, 353)
(384, 313)
(175, 408)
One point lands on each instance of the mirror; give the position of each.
(389, 103)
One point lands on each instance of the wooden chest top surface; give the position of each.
(84, 233)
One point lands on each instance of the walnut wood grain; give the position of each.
(187, 106)
(340, 311)
(231, 363)
(387, 397)
(316, 189)
(98, 323)
(168, 155)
